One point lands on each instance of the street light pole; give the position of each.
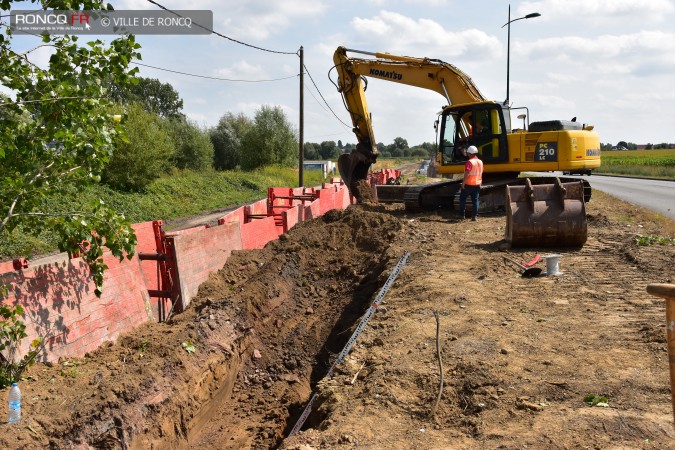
(508, 56)
(508, 47)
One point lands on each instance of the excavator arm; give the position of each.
(450, 82)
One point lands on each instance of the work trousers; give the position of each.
(474, 192)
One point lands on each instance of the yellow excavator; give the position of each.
(541, 211)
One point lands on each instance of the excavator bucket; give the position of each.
(546, 215)
(354, 169)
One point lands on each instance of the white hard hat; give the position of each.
(472, 150)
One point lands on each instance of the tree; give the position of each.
(328, 150)
(400, 143)
(193, 147)
(270, 141)
(430, 148)
(394, 151)
(226, 139)
(155, 96)
(144, 156)
(310, 151)
(419, 152)
(385, 153)
(58, 133)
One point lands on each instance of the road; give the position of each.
(657, 195)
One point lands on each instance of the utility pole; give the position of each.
(301, 128)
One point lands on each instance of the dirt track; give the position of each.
(519, 355)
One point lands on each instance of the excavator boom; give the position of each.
(450, 82)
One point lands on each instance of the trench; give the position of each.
(337, 339)
(266, 328)
(213, 427)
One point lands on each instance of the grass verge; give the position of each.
(180, 194)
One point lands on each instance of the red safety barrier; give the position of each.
(60, 304)
(58, 292)
(385, 176)
(196, 255)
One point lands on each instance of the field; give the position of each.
(642, 163)
(636, 163)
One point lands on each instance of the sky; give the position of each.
(610, 63)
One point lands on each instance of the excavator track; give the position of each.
(444, 194)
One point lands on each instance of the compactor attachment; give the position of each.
(546, 215)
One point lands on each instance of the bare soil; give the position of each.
(518, 354)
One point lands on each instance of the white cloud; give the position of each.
(602, 11)
(248, 108)
(242, 70)
(199, 118)
(199, 101)
(552, 102)
(423, 37)
(427, 3)
(244, 19)
(262, 19)
(627, 53)
(560, 78)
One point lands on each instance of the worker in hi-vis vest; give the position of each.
(473, 178)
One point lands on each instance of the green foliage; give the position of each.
(271, 140)
(182, 194)
(649, 163)
(329, 150)
(311, 151)
(398, 149)
(662, 145)
(188, 346)
(12, 331)
(58, 133)
(419, 152)
(144, 155)
(226, 139)
(401, 143)
(193, 147)
(596, 400)
(651, 240)
(156, 97)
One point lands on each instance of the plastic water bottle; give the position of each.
(14, 414)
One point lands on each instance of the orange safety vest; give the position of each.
(475, 177)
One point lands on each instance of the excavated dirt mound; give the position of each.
(258, 333)
(519, 354)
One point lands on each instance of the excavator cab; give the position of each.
(481, 125)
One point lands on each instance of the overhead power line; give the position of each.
(209, 77)
(222, 35)
(322, 97)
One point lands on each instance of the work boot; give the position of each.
(473, 219)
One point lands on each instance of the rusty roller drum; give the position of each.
(546, 215)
